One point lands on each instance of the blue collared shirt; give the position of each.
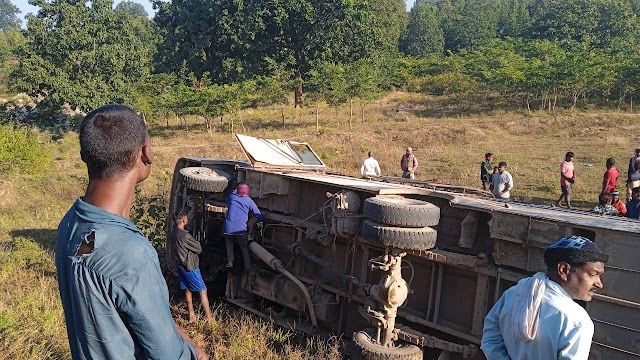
(564, 332)
(115, 299)
(633, 209)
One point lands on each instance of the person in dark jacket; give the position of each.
(633, 205)
(239, 204)
(187, 249)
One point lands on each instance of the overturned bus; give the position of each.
(406, 269)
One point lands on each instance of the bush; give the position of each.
(20, 151)
(448, 83)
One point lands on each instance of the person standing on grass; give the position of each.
(409, 164)
(567, 178)
(617, 204)
(239, 204)
(633, 205)
(610, 178)
(632, 163)
(493, 176)
(370, 167)
(187, 249)
(634, 179)
(604, 206)
(538, 318)
(114, 296)
(485, 171)
(502, 182)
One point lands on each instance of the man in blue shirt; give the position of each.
(633, 205)
(538, 317)
(115, 299)
(239, 204)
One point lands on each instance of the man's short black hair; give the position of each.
(574, 257)
(502, 164)
(569, 154)
(179, 215)
(110, 137)
(488, 154)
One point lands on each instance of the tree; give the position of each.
(361, 83)
(233, 39)
(134, 9)
(467, 24)
(596, 23)
(10, 40)
(9, 15)
(514, 19)
(424, 35)
(81, 54)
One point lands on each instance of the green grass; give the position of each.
(448, 144)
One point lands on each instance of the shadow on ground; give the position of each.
(46, 238)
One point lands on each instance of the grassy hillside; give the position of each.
(448, 145)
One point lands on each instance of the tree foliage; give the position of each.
(131, 8)
(424, 35)
(81, 54)
(467, 24)
(596, 23)
(9, 15)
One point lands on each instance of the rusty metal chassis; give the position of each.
(438, 259)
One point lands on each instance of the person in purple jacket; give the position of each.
(235, 225)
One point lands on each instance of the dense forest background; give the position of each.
(215, 58)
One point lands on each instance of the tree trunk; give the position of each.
(631, 103)
(318, 117)
(282, 114)
(298, 89)
(350, 113)
(244, 130)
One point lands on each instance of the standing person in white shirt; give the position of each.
(502, 182)
(538, 317)
(370, 167)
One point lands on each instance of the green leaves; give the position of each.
(83, 55)
(424, 35)
(9, 16)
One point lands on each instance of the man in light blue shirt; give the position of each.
(538, 318)
(115, 299)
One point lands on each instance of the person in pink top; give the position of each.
(567, 178)
(610, 179)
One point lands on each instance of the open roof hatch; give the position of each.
(279, 153)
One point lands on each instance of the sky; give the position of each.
(25, 8)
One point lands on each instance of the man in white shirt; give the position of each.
(502, 182)
(369, 167)
(538, 317)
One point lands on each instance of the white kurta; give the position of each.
(565, 329)
(370, 167)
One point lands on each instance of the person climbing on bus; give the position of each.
(239, 204)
